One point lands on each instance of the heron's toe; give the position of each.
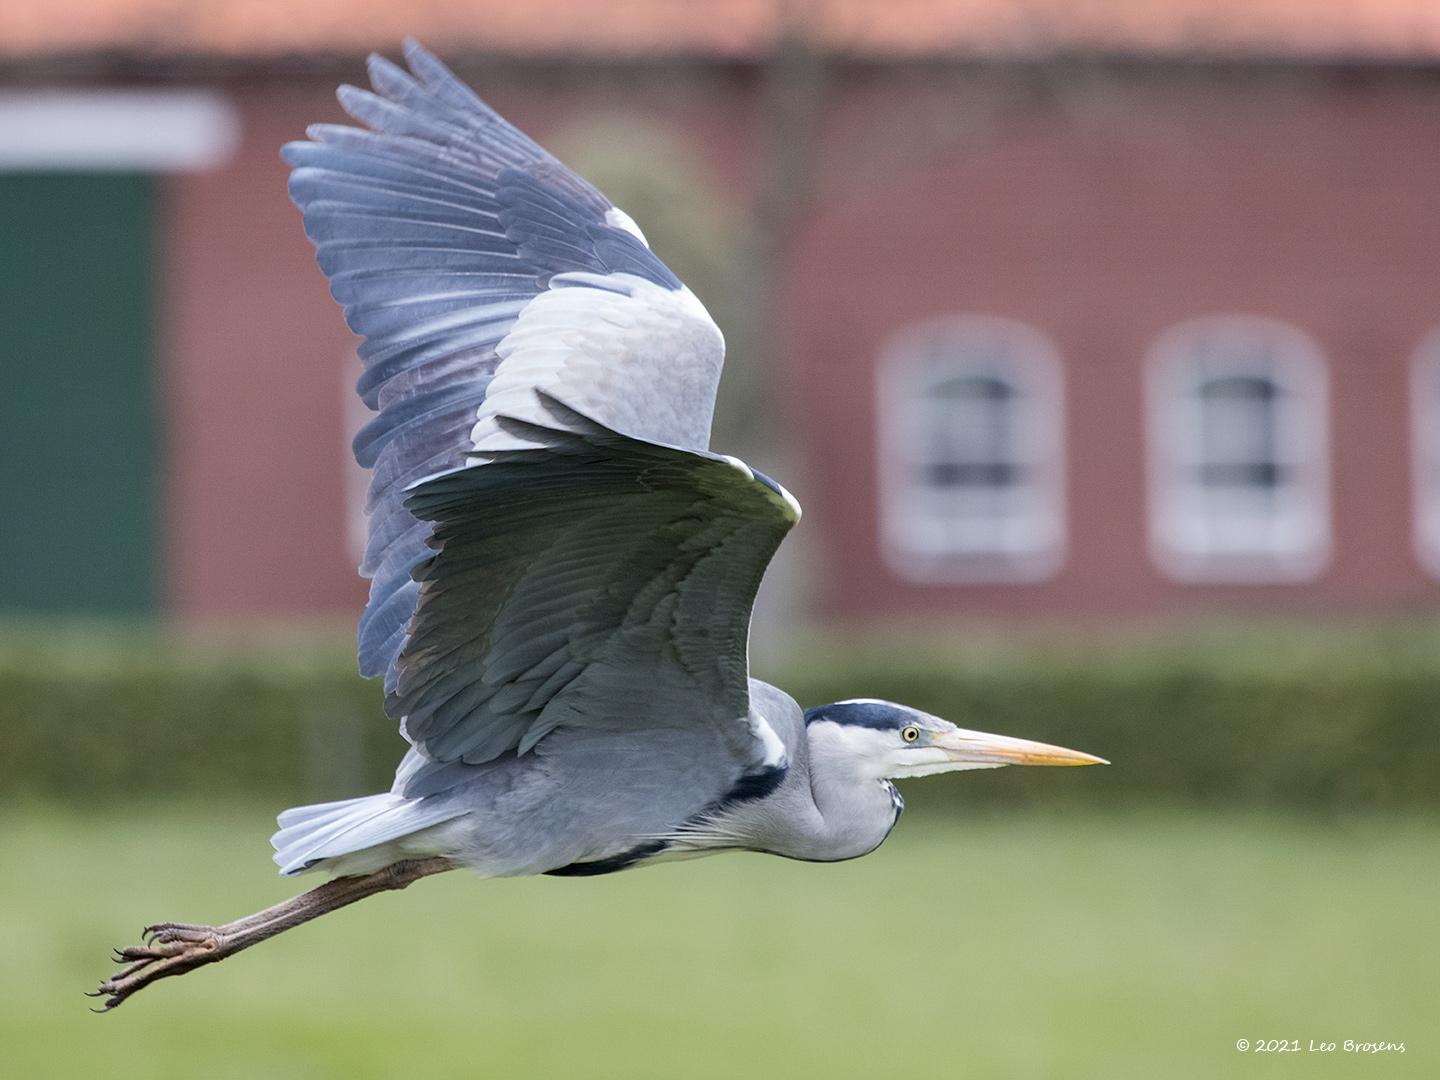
(169, 933)
(169, 949)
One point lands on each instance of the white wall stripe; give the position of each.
(116, 130)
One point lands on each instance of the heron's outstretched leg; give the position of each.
(175, 948)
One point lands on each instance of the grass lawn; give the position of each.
(1142, 944)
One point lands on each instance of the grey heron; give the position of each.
(561, 572)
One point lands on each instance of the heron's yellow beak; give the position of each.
(982, 748)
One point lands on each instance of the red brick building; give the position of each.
(1057, 316)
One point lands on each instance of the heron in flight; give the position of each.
(561, 572)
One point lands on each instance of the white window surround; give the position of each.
(1425, 452)
(354, 415)
(1237, 429)
(114, 130)
(970, 438)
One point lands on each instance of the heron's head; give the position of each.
(883, 741)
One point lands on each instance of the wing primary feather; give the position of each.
(489, 280)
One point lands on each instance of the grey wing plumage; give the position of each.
(478, 268)
(594, 581)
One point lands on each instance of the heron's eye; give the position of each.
(910, 734)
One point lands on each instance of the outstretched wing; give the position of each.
(595, 581)
(478, 268)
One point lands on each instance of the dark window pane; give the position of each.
(1240, 388)
(994, 474)
(970, 437)
(1256, 474)
(1237, 425)
(985, 387)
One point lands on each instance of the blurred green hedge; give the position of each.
(1281, 715)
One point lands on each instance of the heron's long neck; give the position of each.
(857, 811)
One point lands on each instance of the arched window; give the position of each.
(1425, 451)
(971, 447)
(1239, 452)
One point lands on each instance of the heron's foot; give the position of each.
(169, 949)
(174, 948)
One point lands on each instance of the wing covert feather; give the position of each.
(593, 580)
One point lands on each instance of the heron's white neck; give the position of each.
(857, 803)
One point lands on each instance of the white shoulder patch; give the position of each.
(619, 219)
(736, 463)
(775, 754)
(790, 500)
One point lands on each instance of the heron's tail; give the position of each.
(311, 835)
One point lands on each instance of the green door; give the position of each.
(77, 415)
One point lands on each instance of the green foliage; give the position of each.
(1277, 714)
(1321, 718)
(99, 713)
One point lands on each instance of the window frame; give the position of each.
(1301, 440)
(1035, 367)
(1425, 452)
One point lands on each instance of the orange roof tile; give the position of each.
(1377, 29)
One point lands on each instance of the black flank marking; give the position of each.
(612, 864)
(755, 785)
